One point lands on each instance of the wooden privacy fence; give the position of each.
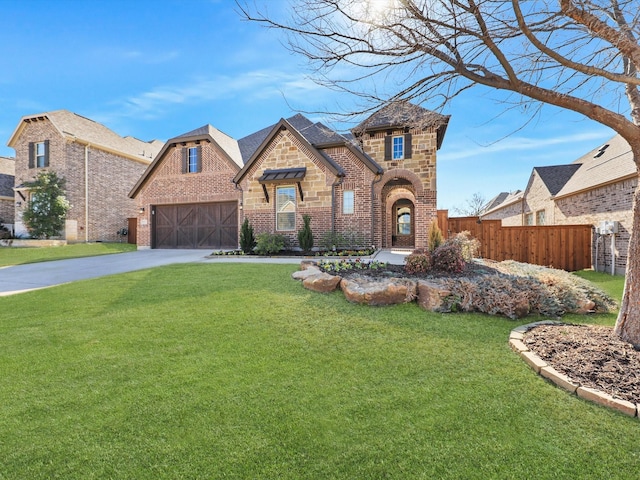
(567, 247)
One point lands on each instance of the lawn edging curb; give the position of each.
(545, 370)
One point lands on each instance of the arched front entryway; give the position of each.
(403, 219)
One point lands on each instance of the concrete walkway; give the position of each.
(23, 278)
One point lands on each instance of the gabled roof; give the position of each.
(6, 185)
(601, 166)
(311, 130)
(555, 177)
(511, 198)
(403, 114)
(227, 145)
(495, 201)
(84, 130)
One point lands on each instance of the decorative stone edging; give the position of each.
(547, 371)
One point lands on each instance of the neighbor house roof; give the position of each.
(6, 185)
(555, 177)
(227, 145)
(84, 130)
(607, 164)
(511, 198)
(407, 115)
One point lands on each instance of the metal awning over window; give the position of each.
(283, 175)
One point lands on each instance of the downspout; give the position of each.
(86, 193)
(333, 202)
(241, 208)
(613, 254)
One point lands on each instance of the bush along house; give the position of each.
(375, 186)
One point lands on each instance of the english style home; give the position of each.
(595, 189)
(99, 167)
(376, 184)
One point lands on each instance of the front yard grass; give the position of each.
(236, 371)
(20, 255)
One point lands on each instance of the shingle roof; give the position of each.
(406, 115)
(6, 185)
(555, 177)
(77, 127)
(510, 199)
(227, 143)
(495, 201)
(316, 134)
(613, 163)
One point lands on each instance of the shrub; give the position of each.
(247, 238)
(418, 262)
(448, 257)
(435, 236)
(305, 235)
(469, 246)
(269, 243)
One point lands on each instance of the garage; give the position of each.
(200, 225)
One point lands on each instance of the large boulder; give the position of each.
(431, 296)
(306, 273)
(372, 291)
(321, 282)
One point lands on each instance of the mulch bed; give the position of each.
(591, 356)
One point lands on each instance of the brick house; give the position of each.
(374, 186)
(99, 167)
(7, 179)
(597, 187)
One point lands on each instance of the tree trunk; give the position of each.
(628, 323)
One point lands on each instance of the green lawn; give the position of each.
(18, 256)
(236, 371)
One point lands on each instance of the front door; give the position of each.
(403, 224)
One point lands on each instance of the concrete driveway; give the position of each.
(23, 278)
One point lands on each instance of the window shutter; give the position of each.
(46, 153)
(407, 145)
(387, 147)
(199, 159)
(185, 159)
(32, 155)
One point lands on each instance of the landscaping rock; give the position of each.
(306, 273)
(321, 282)
(585, 306)
(370, 291)
(306, 264)
(431, 296)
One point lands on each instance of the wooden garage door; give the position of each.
(201, 225)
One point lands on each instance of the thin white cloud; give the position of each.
(520, 145)
(259, 85)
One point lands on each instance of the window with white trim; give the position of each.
(528, 219)
(541, 217)
(348, 202)
(41, 155)
(398, 148)
(285, 208)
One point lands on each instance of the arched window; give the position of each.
(404, 221)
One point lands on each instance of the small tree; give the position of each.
(47, 208)
(435, 237)
(473, 207)
(247, 238)
(305, 235)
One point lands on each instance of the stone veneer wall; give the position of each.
(511, 215)
(285, 151)
(419, 170)
(169, 185)
(610, 202)
(110, 179)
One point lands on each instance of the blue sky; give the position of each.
(156, 69)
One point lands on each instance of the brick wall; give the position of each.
(110, 179)
(608, 203)
(538, 199)
(167, 185)
(511, 215)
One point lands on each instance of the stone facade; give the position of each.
(98, 178)
(7, 202)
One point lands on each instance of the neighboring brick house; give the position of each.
(99, 167)
(376, 186)
(506, 206)
(7, 178)
(597, 187)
